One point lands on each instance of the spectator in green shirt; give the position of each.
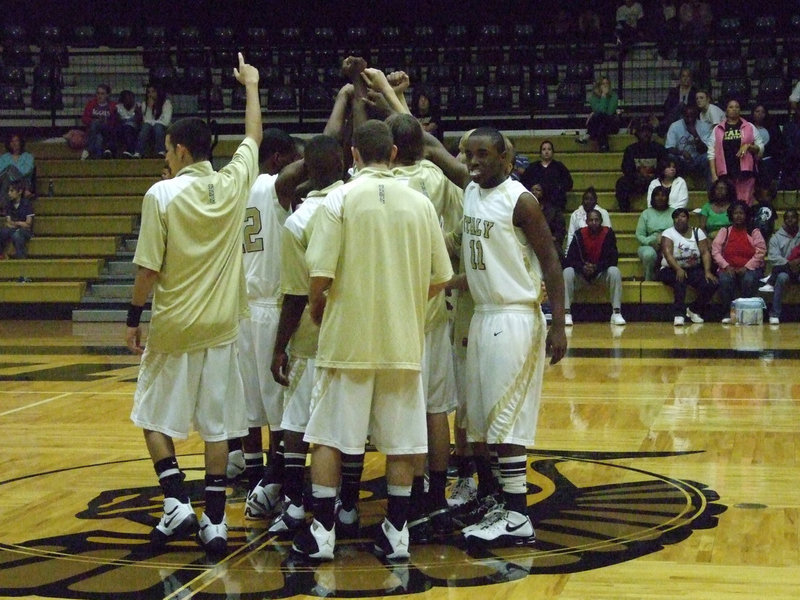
(652, 221)
(602, 121)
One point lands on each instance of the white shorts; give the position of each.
(438, 379)
(505, 365)
(389, 404)
(201, 389)
(297, 397)
(264, 396)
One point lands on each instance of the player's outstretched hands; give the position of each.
(245, 74)
(376, 80)
(399, 81)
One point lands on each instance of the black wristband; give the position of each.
(134, 315)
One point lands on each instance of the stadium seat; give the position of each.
(333, 77)
(43, 97)
(11, 97)
(13, 33)
(423, 45)
(259, 56)
(48, 74)
(120, 36)
(211, 99)
(224, 50)
(439, 74)
(545, 71)
(281, 97)
(762, 47)
(306, 75)
(155, 48)
(537, 96)
(509, 73)
(53, 53)
(269, 76)
(475, 74)
(738, 88)
(238, 98)
(579, 71)
(17, 53)
(317, 97)
(571, 95)
(84, 36)
(498, 97)
(324, 37)
(290, 36)
(771, 66)
(461, 99)
(773, 92)
(163, 76)
(731, 67)
(13, 75)
(195, 79)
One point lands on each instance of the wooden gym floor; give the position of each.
(666, 466)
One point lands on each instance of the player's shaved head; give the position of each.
(323, 158)
(273, 141)
(408, 137)
(495, 136)
(374, 142)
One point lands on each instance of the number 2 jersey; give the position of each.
(501, 266)
(263, 225)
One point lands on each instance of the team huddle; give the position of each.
(332, 327)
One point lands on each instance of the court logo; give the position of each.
(580, 525)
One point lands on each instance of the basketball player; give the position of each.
(506, 250)
(378, 251)
(267, 208)
(324, 166)
(431, 510)
(189, 254)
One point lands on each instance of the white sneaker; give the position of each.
(616, 319)
(178, 521)
(464, 490)
(392, 543)
(774, 321)
(213, 537)
(509, 528)
(315, 541)
(263, 502)
(764, 279)
(84, 155)
(236, 464)
(568, 319)
(693, 316)
(766, 288)
(291, 519)
(678, 321)
(137, 155)
(726, 321)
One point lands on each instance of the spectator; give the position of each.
(553, 216)
(638, 166)
(668, 178)
(16, 165)
(602, 121)
(739, 252)
(552, 174)
(427, 112)
(695, 17)
(678, 98)
(784, 256)
(578, 218)
(790, 164)
(653, 220)
(156, 117)
(710, 113)
(733, 149)
(687, 140)
(130, 119)
(629, 14)
(18, 225)
(714, 213)
(589, 26)
(666, 27)
(767, 166)
(687, 262)
(100, 119)
(592, 258)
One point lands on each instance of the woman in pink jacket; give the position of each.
(735, 146)
(739, 252)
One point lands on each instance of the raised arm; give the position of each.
(453, 169)
(247, 75)
(286, 184)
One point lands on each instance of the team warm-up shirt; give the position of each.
(501, 266)
(191, 233)
(294, 270)
(264, 217)
(448, 202)
(381, 243)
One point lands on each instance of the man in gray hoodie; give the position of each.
(784, 256)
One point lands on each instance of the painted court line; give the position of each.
(45, 401)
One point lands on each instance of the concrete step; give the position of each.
(44, 291)
(77, 246)
(120, 268)
(115, 291)
(51, 268)
(86, 225)
(100, 185)
(146, 167)
(101, 315)
(89, 205)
